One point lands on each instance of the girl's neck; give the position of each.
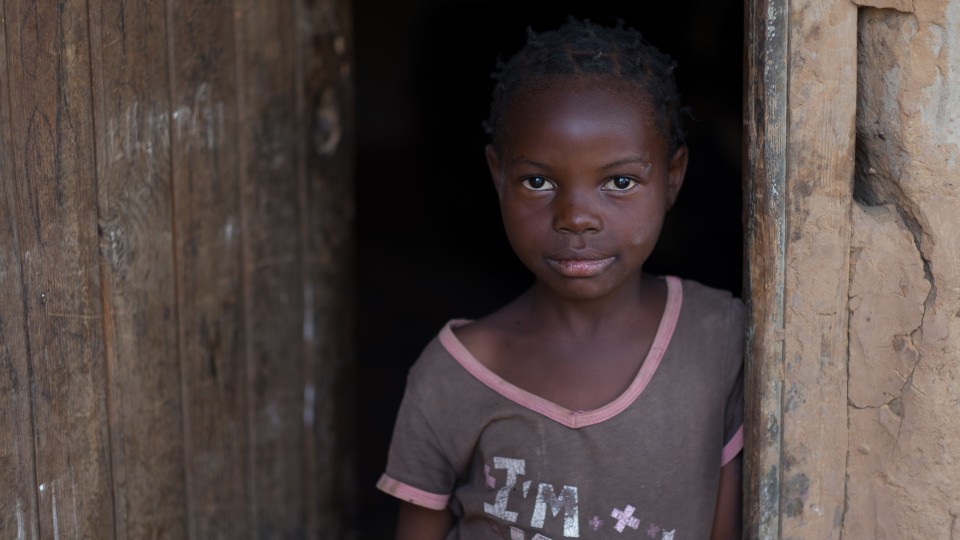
(611, 314)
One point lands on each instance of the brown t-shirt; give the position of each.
(512, 465)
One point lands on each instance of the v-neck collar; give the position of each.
(562, 415)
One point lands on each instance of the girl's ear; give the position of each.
(493, 163)
(675, 174)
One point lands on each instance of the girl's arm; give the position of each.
(419, 523)
(727, 522)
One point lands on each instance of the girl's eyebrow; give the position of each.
(632, 160)
(524, 161)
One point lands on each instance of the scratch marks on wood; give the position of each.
(78, 316)
(56, 518)
(21, 525)
(51, 489)
(145, 131)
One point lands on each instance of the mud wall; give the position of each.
(904, 367)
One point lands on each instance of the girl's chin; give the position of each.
(579, 289)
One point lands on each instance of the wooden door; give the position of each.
(175, 296)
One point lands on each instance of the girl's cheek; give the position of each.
(647, 235)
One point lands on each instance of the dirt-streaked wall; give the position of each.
(903, 469)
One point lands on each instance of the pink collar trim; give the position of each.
(566, 417)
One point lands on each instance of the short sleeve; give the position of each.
(417, 470)
(733, 411)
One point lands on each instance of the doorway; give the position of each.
(430, 243)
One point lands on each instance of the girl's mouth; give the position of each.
(580, 268)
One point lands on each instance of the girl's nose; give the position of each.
(576, 213)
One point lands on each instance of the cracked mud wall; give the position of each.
(903, 461)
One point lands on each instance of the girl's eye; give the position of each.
(620, 183)
(537, 183)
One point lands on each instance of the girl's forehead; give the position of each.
(580, 95)
(586, 89)
(582, 112)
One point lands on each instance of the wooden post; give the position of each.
(801, 107)
(764, 190)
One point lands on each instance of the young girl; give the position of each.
(603, 402)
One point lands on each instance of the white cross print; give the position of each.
(625, 518)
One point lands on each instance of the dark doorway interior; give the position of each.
(431, 247)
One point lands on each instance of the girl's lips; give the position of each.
(580, 268)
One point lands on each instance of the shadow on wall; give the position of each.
(431, 246)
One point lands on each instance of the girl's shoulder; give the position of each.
(705, 300)
(484, 337)
(694, 288)
(464, 341)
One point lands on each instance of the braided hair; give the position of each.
(581, 47)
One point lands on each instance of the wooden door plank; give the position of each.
(18, 503)
(51, 123)
(328, 170)
(304, 49)
(207, 225)
(273, 268)
(132, 106)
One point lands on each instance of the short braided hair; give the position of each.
(582, 47)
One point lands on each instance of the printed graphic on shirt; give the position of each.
(552, 503)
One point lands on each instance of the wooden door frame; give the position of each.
(799, 146)
(764, 178)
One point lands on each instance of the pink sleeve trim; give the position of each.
(411, 494)
(732, 448)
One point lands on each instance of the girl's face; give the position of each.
(585, 181)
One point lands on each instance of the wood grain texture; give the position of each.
(325, 29)
(273, 270)
(207, 232)
(175, 269)
(51, 122)
(18, 503)
(131, 100)
(765, 147)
